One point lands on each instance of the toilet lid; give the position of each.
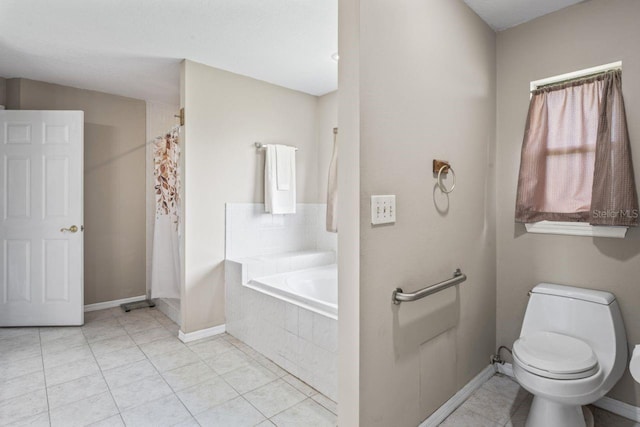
(554, 355)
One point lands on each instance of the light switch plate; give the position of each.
(383, 209)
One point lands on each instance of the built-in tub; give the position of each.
(314, 289)
(290, 317)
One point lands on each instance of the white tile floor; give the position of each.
(130, 369)
(502, 402)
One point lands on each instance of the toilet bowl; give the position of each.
(572, 350)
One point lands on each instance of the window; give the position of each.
(576, 160)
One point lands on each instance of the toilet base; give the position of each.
(547, 413)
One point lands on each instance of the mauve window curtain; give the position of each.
(576, 157)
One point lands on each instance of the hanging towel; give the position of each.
(332, 188)
(283, 166)
(280, 180)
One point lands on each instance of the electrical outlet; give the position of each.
(383, 209)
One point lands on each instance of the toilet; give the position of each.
(572, 350)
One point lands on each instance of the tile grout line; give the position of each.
(23, 358)
(88, 344)
(101, 370)
(241, 395)
(158, 371)
(253, 406)
(183, 404)
(284, 410)
(150, 362)
(22, 376)
(135, 345)
(200, 359)
(316, 392)
(103, 378)
(254, 358)
(225, 381)
(44, 375)
(312, 397)
(476, 413)
(521, 404)
(175, 393)
(523, 400)
(479, 414)
(271, 382)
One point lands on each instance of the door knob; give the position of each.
(73, 229)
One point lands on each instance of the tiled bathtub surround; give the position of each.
(260, 244)
(251, 232)
(299, 340)
(260, 266)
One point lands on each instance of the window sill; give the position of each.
(576, 229)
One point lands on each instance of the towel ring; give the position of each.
(441, 184)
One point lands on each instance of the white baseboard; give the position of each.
(619, 408)
(459, 398)
(202, 333)
(169, 310)
(608, 404)
(114, 303)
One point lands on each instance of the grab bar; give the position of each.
(398, 296)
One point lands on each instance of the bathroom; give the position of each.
(253, 243)
(465, 102)
(445, 80)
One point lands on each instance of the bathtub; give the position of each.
(291, 318)
(315, 289)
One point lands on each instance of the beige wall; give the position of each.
(114, 188)
(588, 34)
(225, 114)
(349, 213)
(426, 73)
(12, 93)
(3, 91)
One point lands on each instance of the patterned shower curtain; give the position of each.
(165, 271)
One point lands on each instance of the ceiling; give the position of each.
(134, 47)
(503, 14)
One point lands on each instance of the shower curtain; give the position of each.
(165, 269)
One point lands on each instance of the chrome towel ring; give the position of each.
(443, 188)
(443, 167)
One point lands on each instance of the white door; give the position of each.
(41, 239)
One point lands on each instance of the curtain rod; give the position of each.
(575, 79)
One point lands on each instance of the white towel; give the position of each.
(277, 200)
(283, 166)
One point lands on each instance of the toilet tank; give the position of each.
(590, 315)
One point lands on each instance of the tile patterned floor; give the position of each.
(502, 402)
(130, 369)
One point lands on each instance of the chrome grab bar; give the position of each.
(398, 296)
